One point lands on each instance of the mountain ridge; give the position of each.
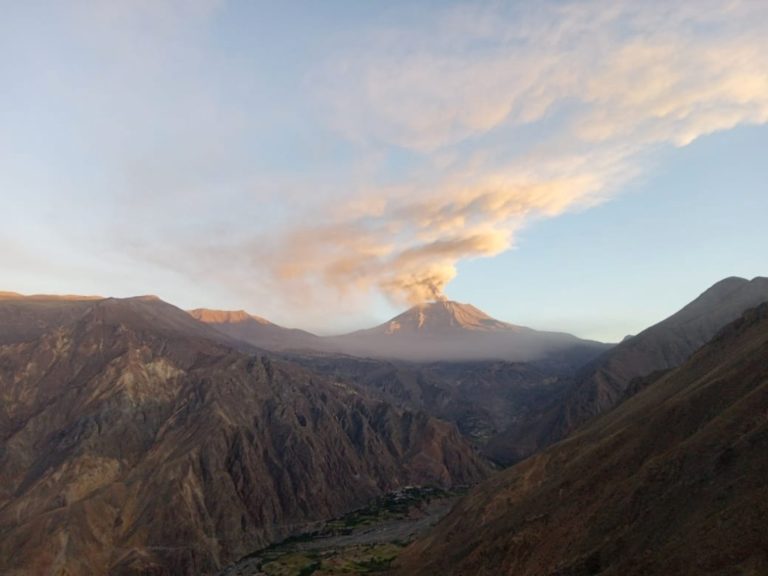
(257, 331)
(604, 382)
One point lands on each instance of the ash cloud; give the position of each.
(409, 250)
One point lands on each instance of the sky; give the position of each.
(586, 166)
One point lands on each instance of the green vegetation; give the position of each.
(362, 559)
(389, 507)
(341, 546)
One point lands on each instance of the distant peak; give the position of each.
(225, 316)
(442, 316)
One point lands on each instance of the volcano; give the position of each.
(447, 330)
(442, 318)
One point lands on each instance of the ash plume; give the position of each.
(623, 80)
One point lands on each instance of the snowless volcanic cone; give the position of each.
(448, 330)
(443, 317)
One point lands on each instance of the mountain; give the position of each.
(446, 330)
(24, 318)
(440, 319)
(672, 482)
(136, 440)
(609, 379)
(257, 331)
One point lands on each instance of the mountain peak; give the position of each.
(441, 317)
(454, 331)
(730, 296)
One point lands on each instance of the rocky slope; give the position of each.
(134, 440)
(608, 380)
(450, 331)
(670, 482)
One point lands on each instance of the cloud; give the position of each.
(539, 110)
(408, 249)
(482, 67)
(148, 135)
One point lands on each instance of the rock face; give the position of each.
(134, 440)
(450, 331)
(257, 331)
(609, 379)
(672, 482)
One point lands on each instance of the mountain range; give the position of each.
(137, 438)
(436, 331)
(446, 358)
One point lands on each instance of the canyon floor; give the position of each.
(365, 541)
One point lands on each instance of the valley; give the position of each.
(365, 541)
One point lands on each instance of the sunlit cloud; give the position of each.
(611, 81)
(409, 250)
(426, 142)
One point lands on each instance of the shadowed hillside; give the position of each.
(610, 378)
(670, 482)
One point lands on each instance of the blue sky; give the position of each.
(578, 165)
(696, 218)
